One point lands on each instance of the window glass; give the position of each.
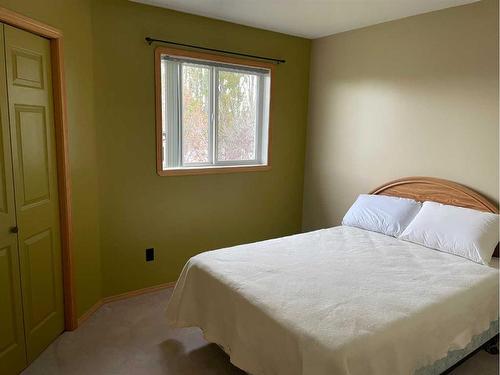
(195, 114)
(237, 115)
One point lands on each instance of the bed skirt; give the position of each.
(454, 356)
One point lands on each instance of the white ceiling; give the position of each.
(306, 18)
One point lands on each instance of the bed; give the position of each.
(344, 300)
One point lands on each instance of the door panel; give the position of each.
(12, 341)
(12, 345)
(7, 308)
(41, 296)
(35, 182)
(32, 154)
(27, 69)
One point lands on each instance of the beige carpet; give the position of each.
(131, 337)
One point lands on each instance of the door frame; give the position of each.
(62, 154)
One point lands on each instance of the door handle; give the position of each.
(14, 230)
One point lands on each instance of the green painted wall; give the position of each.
(182, 216)
(74, 19)
(120, 206)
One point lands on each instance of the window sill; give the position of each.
(213, 170)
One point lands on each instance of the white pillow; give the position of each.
(460, 231)
(381, 213)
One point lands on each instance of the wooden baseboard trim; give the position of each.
(121, 296)
(138, 292)
(89, 312)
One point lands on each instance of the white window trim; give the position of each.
(174, 109)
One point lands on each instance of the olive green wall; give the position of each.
(416, 96)
(120, 206)
(184, 215)
(73, 17)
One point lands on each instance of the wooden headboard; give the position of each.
(437, 190)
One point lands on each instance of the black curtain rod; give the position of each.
(276, 61)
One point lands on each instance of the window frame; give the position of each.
(216, 168)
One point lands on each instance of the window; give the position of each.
(213, 113)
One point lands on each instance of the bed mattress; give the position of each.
(335, 301)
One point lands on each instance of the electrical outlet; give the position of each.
(150, 254)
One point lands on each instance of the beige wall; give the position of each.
(417, 96)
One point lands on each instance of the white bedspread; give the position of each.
(335, 301)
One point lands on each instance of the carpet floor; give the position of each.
(131, 337)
